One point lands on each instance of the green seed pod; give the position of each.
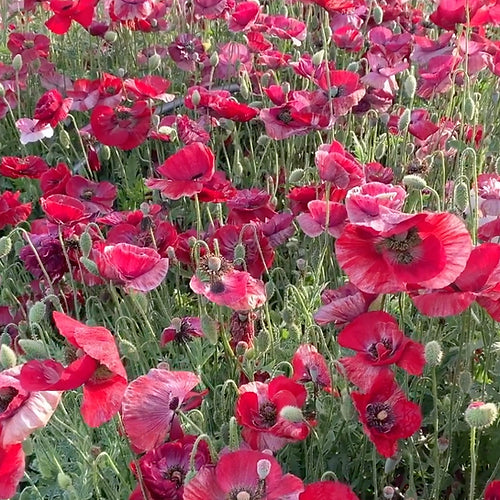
(262, 341)
(414, 182)
(111, 36)
(318, 57)
(90, 265)
(105, 153)
(5, 246)
(481, 415)
(214, 59)
(378, 14)
(64, 139)
(296, 175)
(85, 243)
(154, 62)
(64, 481)
(410, 86)
(404, 120)
(17, 62)
(37, 312)
(461, 196)
(465, 382)
(209, 328)
(433, 353)
(8, 358)
(469, 108)
(34, 349)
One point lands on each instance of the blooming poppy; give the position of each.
(99, 370)
(379, 342)
(187, 51)
(271, 414)
(150, 403)
(185, 171)
(492, 491)
(12, 211)
(125, 128)
(182, 330)
(136, 268)
(65, 11)
(29, 166)
(328, 490)
(54, 180)
(247, 473)
(63, 209)
(323, 216)
(386, 414)
(52, 108)
(31, 46)
(425, 249)
(310, 366)
(12, 463)
(33, 130)
(97, 197)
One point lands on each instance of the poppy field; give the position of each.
(250, 249)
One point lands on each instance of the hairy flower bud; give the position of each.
(8, 358)
(481, 415)
(410, 86)
(292, 414)
(414, 181)
(34, 349)
(111, 36)
(433, 353)
(17, 62)
(5, 246)
(465, 381)
(37, 312)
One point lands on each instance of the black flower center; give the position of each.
(7, 394)
(403, 244)
(379, 416)
(176, 474)
(285, 116)
(267, 415)
(380, 349)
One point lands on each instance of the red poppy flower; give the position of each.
(150, 403)
(217, 190)
(328, 490)
(492, 491)
(54, 180)
(164, 469)
(125, 128)
(310, 366)
(64, 210)
(348, 38)
(186, 171)
(100, 370)
(187, 52)
(182, 330)
(244, 16)
(12, 463)
(97, 197)
(323, 216)
(52, 108)
(250, 205)
(31, 46)
(451, 12)
(429, 250)
(271, 414)
(29, 166)
(386, 414)
(379, 343)
(65, 11)
(251, 474)
(12, 211)
(136, 268)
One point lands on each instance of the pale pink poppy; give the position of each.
(32, 131)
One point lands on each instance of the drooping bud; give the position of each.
(414, 181)
(465, 381)
(5, 246)
(111, 36)
(85, 243)
(461, 196)
(433, 353)
(154, 62)
(404, 120)
(8, 358)
(410, 86)
(37, 312)
(34, 349)
(378, 14)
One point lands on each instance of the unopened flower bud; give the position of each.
(262, 341)
(292, 414)
(111, 36)
(34, 349)
(481, 415)
(64, 139)
(410, 86)
(263, 468)
(465, 381)
(8, 358)
(90, 265)
(296, 175)
(263, 140)
(301, 264)
(239, 252)
(285, 87)
(105, 153)
(154, 62)
(442, 444)
(433, 353)
(318, 57)
(378, 14)
(392, 462)
(404, 120)
(353, 67)
(85, 243)
(128, 350)
(245, 93)
(469, 108)
(388, 492)
(414, 182)
(37, 312)
(214, 59)
(5, 246)
(2, 91)
(64, 481)
(241, 348)
(17, 62)
(461, 196)
(195, 98)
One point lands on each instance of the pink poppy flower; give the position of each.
(249, 474)
(386, 414)
(271, 414)
(219, 282)
(99, 370)
(379, 342)
(139, 9)
(33, 130)
(310, 366)
(97, 197)
(12, 463)
(182, 330)
(323, 216)
(186, 171)
(324, 490)
(150, 403)
(250, 205)
(31, 46)
(136, 268)
(427, 250)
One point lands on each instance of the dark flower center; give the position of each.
(174, 403)
(7, 394)
(102, 373)
(379, 350)
(176, 474)
(379, 416)
(87, 194)
(212, 268)
(403, 244)
(267, 415)
(123, 115)
(285, 116)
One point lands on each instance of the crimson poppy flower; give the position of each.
(63, 209)
(328, 490)
(164, 469)
(187, 51)
(125, 128)
(99, 370)
(452, 12)
(29, 166)
(136, 268)
(243, 16)
(342, 305)
(182, 330)
(242, 329)
(52, 108)
(247, 473)
(123, 10)
(278, 229)
(65, 11)
(310, 366)
(190, 131)
(429, 250)
(54, 180)
(95, 196)
(150, 403)
(12, 211)
(31, 46)
(379, 343)
(386, 414)
(148, 87)
(271, 414)
(250, 205)
(348, 38)
(186, 171)
(217, 190)
(219, 282)
(12, 463)
(492, 491)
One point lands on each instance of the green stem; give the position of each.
(473, 463)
